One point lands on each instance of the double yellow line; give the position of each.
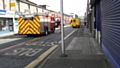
(45, 54)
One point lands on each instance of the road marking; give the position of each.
(68, 35)
(15, 52)
(45, 54)
(24, 52)
(39, 43)
(31, 52)
(41, 57)
(2, 41)
(64, 27)
(18, 45)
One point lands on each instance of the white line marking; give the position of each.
(2, 41)
(68, 35)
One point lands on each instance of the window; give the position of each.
(74, 20)
(7, 4)
(4, 24)
(1, 4)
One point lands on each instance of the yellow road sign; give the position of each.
(13, 4)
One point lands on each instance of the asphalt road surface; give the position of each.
(18, 51)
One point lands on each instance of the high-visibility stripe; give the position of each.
(21, 23)
(36, 23)
(24, 24)
(33, 28)
(25, 29)
(33, 32)
(29, 32)
(37, 18)
(20, 19)
(29, 26)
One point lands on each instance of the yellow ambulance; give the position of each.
(75, 22)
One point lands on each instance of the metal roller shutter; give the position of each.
(98, 20)
(110, 11)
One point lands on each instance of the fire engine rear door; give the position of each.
(32, 26)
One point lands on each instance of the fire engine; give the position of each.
(35, 23)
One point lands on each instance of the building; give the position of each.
(9, 13)
(105, 23)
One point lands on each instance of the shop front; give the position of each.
(6, 21)
(15, 22)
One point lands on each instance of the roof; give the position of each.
(28, 2)
(34, 4)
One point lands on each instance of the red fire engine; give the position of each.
(37, 23)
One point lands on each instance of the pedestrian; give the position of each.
(85, 23)
(59, 24)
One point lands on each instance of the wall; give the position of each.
(1, 4)
(92, 20)
(33, 9)
(39, 10)
(23, 8)
(7, 4)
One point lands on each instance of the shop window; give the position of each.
(10, 24)
(4, 24)
(1, 4)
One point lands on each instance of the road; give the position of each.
(19, 51)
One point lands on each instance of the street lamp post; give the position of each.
(62, 30)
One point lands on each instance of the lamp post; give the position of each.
(62, 30)
(87, 13)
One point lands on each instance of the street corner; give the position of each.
(41, 57)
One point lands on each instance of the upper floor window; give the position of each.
(7, 4)
(1, 4)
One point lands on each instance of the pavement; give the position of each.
(7, 34)
(82, 52)
(12, 33)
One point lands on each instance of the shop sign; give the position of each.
(10, 13)
(2, 12)
(13, 3)
(18, 13)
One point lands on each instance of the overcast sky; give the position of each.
(70, 6)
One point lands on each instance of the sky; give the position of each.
(69, 6)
